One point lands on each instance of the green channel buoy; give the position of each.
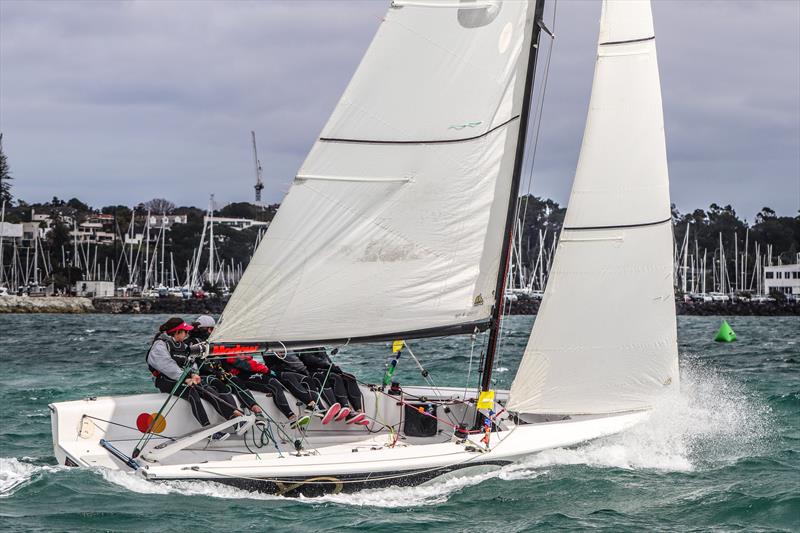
(725, 333)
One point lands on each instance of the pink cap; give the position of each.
(183, 326)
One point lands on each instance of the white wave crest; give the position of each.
(15, 473)
(135, 483)
(714, 420)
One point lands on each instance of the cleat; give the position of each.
(343, 414)
(219, 436)
(332, 412)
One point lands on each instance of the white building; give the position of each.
(156, 221)
(92, 289)
(11, 231)
(236, 223)
(783, 278)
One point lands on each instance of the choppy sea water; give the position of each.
(724, 456)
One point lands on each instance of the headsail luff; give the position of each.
(394, 222)
(496, 323)
(605, 337)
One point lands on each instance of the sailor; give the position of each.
(211, 372)
(294, 375)
(242, 372)
(167, 358)
(345, 386)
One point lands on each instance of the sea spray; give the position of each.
(713, 421)
(14, 473)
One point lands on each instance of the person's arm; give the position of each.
(159, 358)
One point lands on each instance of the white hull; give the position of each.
(334, 458)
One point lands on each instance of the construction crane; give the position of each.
(259, 184)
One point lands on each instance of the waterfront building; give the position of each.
(783, 278)
(236, 223)
(91, 289)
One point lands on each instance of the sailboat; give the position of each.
(399, 226)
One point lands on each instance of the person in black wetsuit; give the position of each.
(211, 372)
(345, 387)
(242, 372)
(167, 358)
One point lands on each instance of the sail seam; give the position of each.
(643, 39)
(621, 226)
(434, 141)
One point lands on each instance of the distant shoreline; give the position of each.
(530, 306)
(214, 306)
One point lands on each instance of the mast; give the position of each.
(502, 274)
(163, 238)
(211, 241)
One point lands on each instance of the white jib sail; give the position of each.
(605, 337)
(394, 223)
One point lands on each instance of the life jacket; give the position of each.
(179, 351)
(244, 366)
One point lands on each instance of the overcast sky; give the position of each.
(118, 102)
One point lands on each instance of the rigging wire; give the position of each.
(533, 145)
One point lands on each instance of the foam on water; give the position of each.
(14, 473)
(433, 493)
(713, 421)
(136, 483)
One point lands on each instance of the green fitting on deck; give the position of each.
(725, 333)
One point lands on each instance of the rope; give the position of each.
(414, 407)
(145, 439)
(120, 425)
(269, 420)
(428, 378)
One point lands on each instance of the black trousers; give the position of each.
(353, 391)
(303, 387)
(194, 394)
(343, 387)
(272, 387)
(230, 386)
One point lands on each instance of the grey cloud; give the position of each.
(117, 102)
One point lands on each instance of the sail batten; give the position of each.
(394, 223)
(605, 338)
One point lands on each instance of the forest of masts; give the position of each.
(139, 262)
(696, 270)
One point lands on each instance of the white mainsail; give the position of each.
(605, 337)
(395, 221)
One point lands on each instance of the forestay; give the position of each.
(394, 223)
(605, 337)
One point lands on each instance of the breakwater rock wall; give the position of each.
(45, 304)
(214, 306)
(176, 306)
(529, 306)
